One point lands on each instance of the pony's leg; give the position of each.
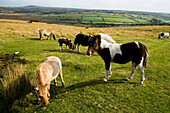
(108, 70)
(38, 100)
(141, 68)
(47, 37)
(60, 48)
(50, 37)
(48, 89)
(66, 47)
(133, 70)
(55, 82)
(41, 37)
(74, 47)
(61, 77)
(78, 47)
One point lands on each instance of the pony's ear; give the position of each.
(99, 38)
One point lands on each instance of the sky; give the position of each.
(130, 5)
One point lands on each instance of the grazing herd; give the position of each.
(103, 44)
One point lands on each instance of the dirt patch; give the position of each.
(8, 60)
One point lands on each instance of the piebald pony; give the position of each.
(119, 53)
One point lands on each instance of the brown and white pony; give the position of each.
(80, 39)
(47, 33)
(164, 35)
(45, 73)
(66, 41)
(119, 53)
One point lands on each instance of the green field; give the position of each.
(96, 19)
(85, 90)
(84, 17)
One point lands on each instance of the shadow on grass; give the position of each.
(33, 38)
(64, 51)
(58, 90)
(68, 51)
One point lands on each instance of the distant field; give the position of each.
(85, 90)
(84, 17)
(90, 19)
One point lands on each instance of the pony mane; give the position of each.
(39, 78)
(107, 38)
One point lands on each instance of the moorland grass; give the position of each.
(85, 90)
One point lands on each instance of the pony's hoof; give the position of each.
(105, 80)
(127, 79)
(140, 83)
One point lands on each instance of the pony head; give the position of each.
(94, 44)
(42, 94)
(70, 45)
(41, 88)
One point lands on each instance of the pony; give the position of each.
(119, 53)
(164, 35)
(66, 41)
(80, 39)
(47, 33)
(45, 73)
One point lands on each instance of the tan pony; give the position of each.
(45, 73)
(47, 33)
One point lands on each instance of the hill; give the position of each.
(84, 17)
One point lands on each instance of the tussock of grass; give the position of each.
(15, 85)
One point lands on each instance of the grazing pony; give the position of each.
(47, 33)
(80, 39)
(45, 73)
(164, 35)
(119, 53)
(66, 41)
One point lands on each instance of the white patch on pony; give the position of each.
(107, 38)
(137, 43)
(114, 48)
(166, 34)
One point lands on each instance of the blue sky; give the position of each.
(132, 5)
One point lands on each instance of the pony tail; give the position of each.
(145, 57)
(40, 32)
(54, 37)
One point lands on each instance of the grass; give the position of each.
(85, 90)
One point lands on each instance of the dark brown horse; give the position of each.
(47, 33)
(119, 53)
(66, 41)
(80, 39)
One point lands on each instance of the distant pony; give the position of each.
(47, 33)
(45, 73)
(66, 41)
(80, 39)
(119, 53)
(164, 35)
